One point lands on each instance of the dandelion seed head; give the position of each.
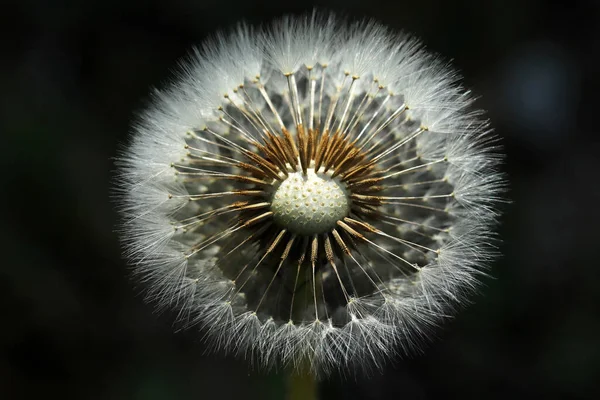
(318, 192)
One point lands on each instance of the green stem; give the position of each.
(302, 385)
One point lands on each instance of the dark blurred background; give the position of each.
(73, 326)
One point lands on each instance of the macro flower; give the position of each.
(318, 192)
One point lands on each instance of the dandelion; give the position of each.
(318, 192)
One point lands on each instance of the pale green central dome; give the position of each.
(309, 204)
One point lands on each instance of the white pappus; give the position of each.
(318, 193)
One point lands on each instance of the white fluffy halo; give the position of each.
(352, 109)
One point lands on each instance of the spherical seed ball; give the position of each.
(311, 204)
(225, 219)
